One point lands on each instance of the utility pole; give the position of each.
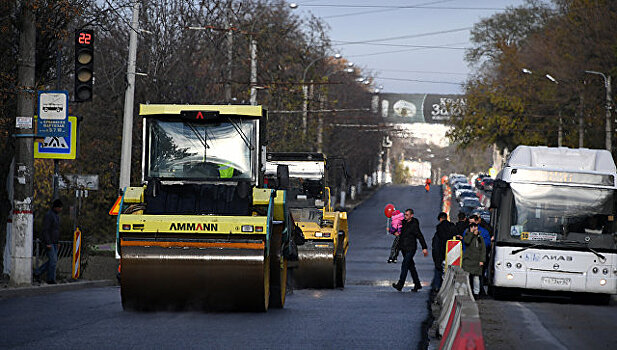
(607, 128)
(307, 91)
(230, 53)
(609, 131)
(322, 105)
(23, 180)
(253, 72)
(127, 126)
(581, 121)
(304, 107)
(560, 131)
(58, 87)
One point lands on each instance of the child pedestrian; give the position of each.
(395, 229)
(474, 257)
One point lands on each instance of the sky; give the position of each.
(397, 64)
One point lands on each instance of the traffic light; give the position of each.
(84, 67)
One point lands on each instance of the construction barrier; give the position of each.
(457, 320)
(76, 254)
(454, 252)
(464, 330)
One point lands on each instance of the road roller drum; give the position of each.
(203, 275)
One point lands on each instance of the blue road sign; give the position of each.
(53, 113)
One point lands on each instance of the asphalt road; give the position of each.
(546, 321)
(367, 314)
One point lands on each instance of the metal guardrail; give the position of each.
(65, 255)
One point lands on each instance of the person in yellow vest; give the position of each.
(226, 171)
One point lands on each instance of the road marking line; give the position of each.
(535, 326)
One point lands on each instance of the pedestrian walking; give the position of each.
(427, 185)
(396, 226)
(474, 257)
(50, 237)
(410, 233)
(444, 231)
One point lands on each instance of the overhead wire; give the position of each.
(388, 52)
(409, 36)
(417, 80)
(378, 11)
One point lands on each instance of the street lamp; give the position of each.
(305, 91)
(560, 129)
(607, 85)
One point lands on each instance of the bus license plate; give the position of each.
(554, 281)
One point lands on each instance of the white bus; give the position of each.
(553, 214)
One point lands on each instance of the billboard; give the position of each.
(420, 108)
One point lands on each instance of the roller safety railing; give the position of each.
(457, 320)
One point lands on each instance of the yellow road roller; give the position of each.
(321, 258)
(202, 231)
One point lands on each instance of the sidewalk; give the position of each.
(40, 289)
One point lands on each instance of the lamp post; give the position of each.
(560, 127)
(607, 85)
(305, 90)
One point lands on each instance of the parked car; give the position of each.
(462, 186)
(479, 179)
(469, 204)
(455, 180)
(466, 194)
(487, 184)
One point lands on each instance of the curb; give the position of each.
(52, 288)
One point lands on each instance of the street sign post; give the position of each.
(58, 147)
(53, 113)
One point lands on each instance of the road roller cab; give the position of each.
(201, 231)
(322, 256)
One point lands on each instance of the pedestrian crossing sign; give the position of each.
(57, 147)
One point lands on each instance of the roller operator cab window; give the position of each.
(213, 151)
(562, 215)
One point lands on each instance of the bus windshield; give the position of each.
(212, 151)
(563, 215)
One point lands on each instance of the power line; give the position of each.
(386, 52)
(402, 7)
(405, 45)
(379, 11)
(408, 36)
(418, 80)
(417, 71)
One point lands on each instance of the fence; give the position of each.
(65, 256)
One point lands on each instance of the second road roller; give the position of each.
(322, 257)
(201, 230)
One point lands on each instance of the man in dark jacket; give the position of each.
(444, 231)
(50, 236)
(461, 224)
(407, 243)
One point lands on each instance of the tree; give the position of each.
(508, 107)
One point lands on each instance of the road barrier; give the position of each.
(457, 320)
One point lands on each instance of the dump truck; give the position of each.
(321, 259)
(201, 230)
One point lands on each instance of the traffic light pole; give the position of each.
(127, 126)
(23, 219)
